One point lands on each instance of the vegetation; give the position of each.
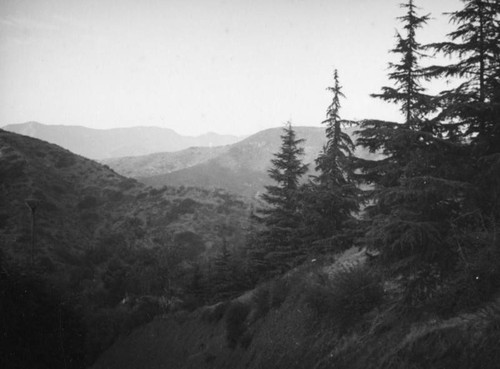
(235, 322)
(345, 296)
(111, 252)
(282, 217)
(332, 198)
(412, 281)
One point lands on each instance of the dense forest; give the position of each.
(426, 215)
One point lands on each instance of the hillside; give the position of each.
(117, 142)
(101, 237)
(307, 320)
(240, 168)
(164, 162)
(78, 199)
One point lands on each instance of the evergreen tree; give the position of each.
(255, 263)
(407, 74)
(333, 162)
(331, 198)
(196, 289)
(473, 107)
(474, 104)
(282, 216)
(222, 279)
(417, 187)
(228, 275)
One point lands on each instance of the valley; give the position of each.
(240, 168)
(368, 241)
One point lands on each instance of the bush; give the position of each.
(262, 300)
(279, 291)
(127, 184)
(213, 314)
(235, 322)
(270, 296)
(345, 296)
(114, 195)
(419, 288)
(88, 202)
(64, 160)
(469, 287)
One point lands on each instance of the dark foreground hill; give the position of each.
(240, 168)
(99, 239)
(117, 142)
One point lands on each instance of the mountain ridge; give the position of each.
(240, 168)
(117, 142)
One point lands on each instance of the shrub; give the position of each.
(213, 314)
(89, 218)
(127, 184)
(345, 296)
(279, 291)
(235, 322)
(88, 202)
(64, 160)
(469, 287)
(144, 310)
(419, 288)
(114, 195)
(186, 206)
(154, 192)
(262, 300)
(141, 196)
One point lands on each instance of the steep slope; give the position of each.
(118, 142)
(242, 168)
(293, 323)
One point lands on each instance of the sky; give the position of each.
(197, 66)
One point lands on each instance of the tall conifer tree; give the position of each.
(474, 104)
(407, 74)
(473, 107)
(331, 198)
(282, 216)
(415, 189)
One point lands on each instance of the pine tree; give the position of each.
(282, 216)
(407, 74)
(473, 107)
(399, 142)
(222, 278)
(474, 104)
(255, 263)
(331, 198)
(417, 189)
(333, 162)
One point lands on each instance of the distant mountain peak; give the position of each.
(117, 142)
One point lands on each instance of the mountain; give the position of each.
(80, 203)
(164, 162)
(240, 168)
(99, 238)
(117, 142)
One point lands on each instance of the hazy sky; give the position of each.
(235, 66)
